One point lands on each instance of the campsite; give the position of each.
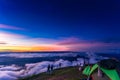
(102, 70)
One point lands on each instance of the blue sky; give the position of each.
(89, 20)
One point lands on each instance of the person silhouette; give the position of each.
(48, 69)
(60, 64)
(52, 68)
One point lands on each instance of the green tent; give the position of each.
(112, 74)
(86, 71)
(93, 68)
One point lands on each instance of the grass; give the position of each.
(69, 73)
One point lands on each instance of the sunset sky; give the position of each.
(59, 25)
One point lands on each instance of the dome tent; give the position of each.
(108, 69)
(86, 71)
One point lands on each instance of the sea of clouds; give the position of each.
(33, 55)
(14, 72)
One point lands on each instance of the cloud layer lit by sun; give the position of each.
(11, 41)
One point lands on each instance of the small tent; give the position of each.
(86, 71)
(110, 74)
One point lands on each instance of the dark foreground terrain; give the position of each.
(69, 73)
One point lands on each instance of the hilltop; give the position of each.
(68, 73)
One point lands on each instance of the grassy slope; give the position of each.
(69, 73)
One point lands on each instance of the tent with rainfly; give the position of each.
(86, 71)
(112, 74)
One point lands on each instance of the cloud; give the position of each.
(4, 26)
(22, 42)
(23, 39)
(31, 55)
(2, 43)
(4, 34)
(11, 39)
(10, 68)
(69, 41)
(14, 72)
(76, 44)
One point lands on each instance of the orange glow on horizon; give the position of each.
(20, 43)
(32, 48)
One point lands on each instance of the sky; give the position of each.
(59, 25)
